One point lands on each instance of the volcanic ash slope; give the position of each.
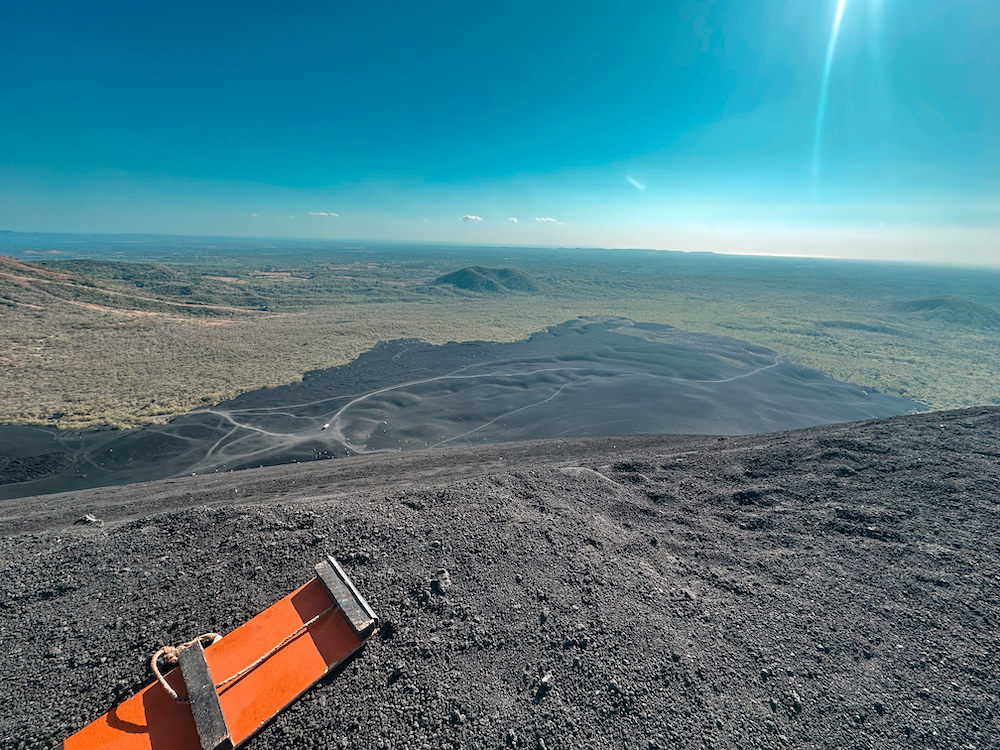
(834, 587)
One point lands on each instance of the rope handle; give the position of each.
(169, 654)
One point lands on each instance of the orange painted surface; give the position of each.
(152, 720)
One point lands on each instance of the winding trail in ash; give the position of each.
(336, 420)
(578, 379)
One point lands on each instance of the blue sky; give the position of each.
(677, 125)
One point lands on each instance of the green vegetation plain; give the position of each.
(123, 331)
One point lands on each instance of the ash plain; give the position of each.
(585, 377)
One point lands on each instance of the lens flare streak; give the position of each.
(831, 48)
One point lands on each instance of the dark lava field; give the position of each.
(832, 587)
(581, 378)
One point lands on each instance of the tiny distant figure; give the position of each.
(325, 426)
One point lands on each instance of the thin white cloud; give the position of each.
(634, 182)
(323, 213)
(550, 220)
(470, 218)
(512, 218)
(255, 215)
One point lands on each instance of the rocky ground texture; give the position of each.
(834, 587)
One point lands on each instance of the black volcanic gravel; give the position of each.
(834, 587)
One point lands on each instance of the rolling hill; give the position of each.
(952, 310)
(496, 280)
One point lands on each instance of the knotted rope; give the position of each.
(169, 655)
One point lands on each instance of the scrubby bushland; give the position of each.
(87, 343)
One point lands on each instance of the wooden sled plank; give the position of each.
(203, 697)
(153, 720)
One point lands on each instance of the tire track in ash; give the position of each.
(335, 420)
(509, 414)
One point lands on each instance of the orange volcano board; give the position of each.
(323, 622)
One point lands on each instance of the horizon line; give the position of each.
(737, 253)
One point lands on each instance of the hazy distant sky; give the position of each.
(678, 125)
